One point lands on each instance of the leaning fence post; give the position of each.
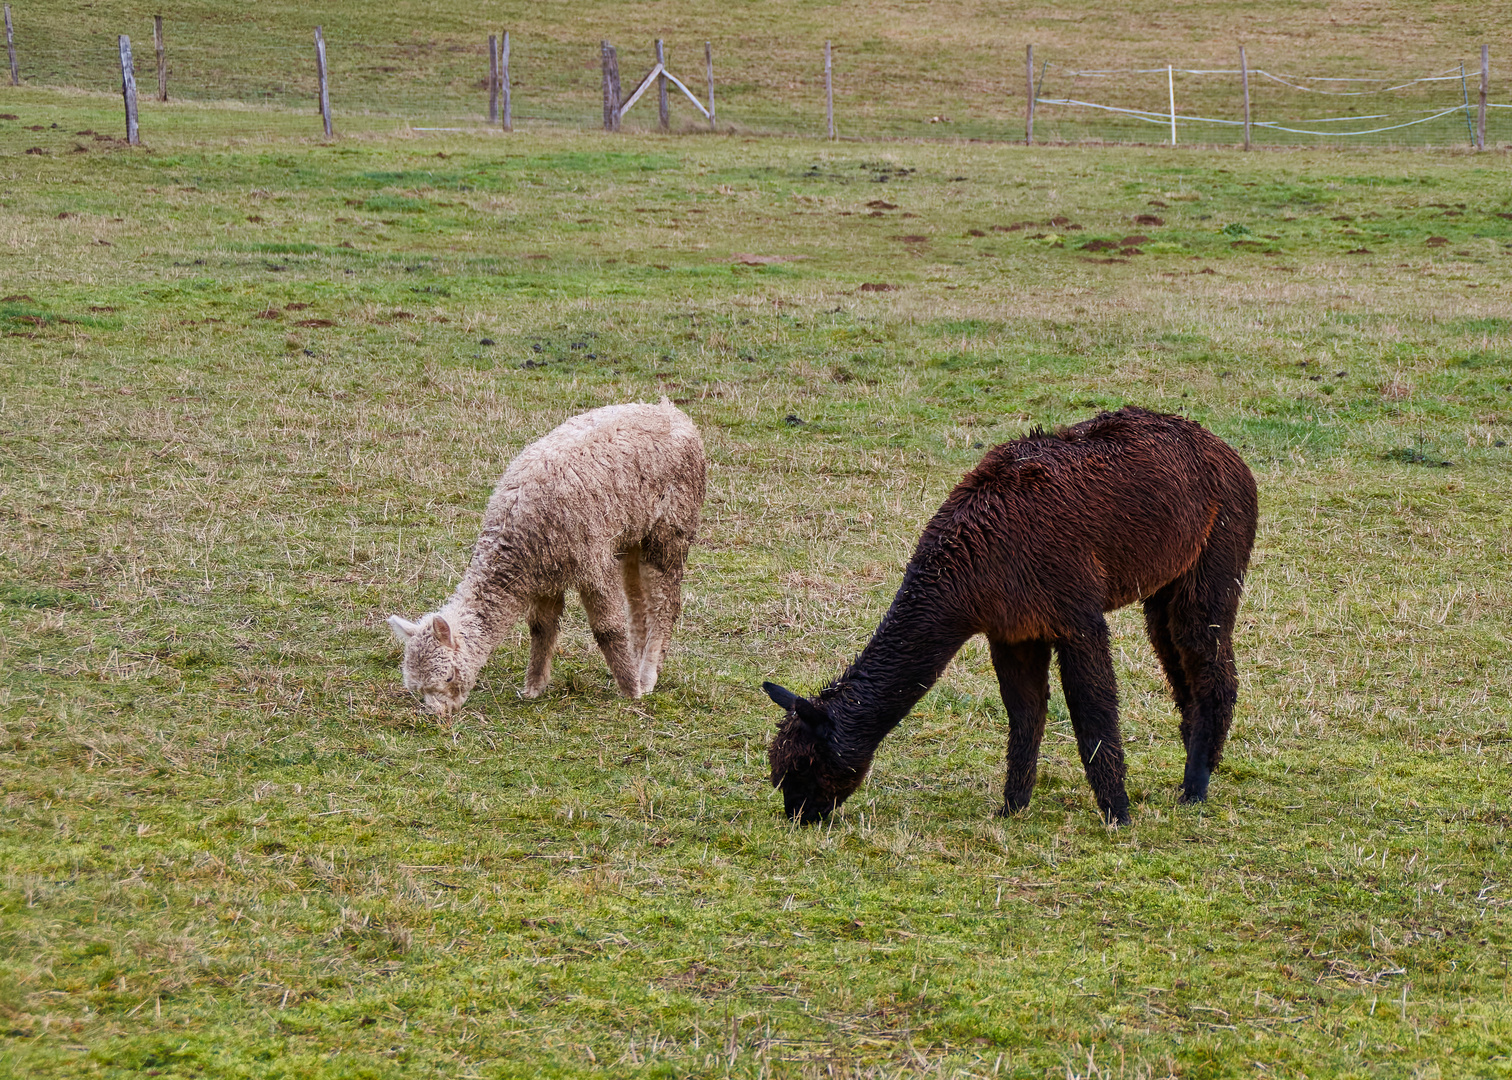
(504, 82)
(709, 65)
(128, 90)
(829, 93)
(320, 70)
(162, 57)
(1480, 119)
(1029, 110)
(1244, 75)
(10, 47)
(663, 117)
(493, 79)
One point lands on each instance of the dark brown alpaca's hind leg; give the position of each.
(1158, 627)
(1086, 666)
(1023, 671)
(1200, 618)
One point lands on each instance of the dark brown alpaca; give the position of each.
(1031, 548)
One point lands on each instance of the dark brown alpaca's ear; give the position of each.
(800, 708)
(811, 714)
(784, 697)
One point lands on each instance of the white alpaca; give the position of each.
(606, 504)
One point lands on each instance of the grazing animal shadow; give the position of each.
(1032, 547)
(607, 504)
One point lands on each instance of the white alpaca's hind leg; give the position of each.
(631, 572)
(544, 619)
(663, 605)
(606, 617)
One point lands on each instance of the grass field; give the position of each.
(254, 394)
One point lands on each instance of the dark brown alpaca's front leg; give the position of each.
(1023, 671)
(1086, 666)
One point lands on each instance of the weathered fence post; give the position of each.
(604, 80)
(709, 65)
(493, 79)
(1029, 110)
(504, 82)
(1171, 86)
(10, 47)
(663, 117)
(611, 88)
(1244, 75)
(1465, 92)
(325, 91)
(829, 93)
(1480, 119)
(128, 90)
(162, 57)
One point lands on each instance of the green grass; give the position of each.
(254, 395)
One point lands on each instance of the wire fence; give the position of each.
(1206, 105)
(439, 79)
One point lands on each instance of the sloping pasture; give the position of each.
(254, 394)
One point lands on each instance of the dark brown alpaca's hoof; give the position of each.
(1193, 797)
(1012, 806)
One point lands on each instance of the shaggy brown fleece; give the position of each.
(1031, 548)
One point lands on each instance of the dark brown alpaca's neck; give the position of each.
(906, 656)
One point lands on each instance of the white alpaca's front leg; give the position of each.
(544, 618)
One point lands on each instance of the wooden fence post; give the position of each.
(709, 65)
(829, 93)
(1244, 75)
(1029, 110)
(604, 80)
(611, 88)
(320, 70)
(504, 82)
(1480, 119)
(663, 117)
(10, 47)
(128, 90)
(614, 83)
(493, 79)
(162, 57)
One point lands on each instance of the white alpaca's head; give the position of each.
(432, 666)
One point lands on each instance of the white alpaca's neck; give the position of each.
(479, 617)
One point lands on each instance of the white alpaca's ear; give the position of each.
(403, 629)
(443, 631)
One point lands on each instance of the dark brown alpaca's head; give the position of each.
(813, 783)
